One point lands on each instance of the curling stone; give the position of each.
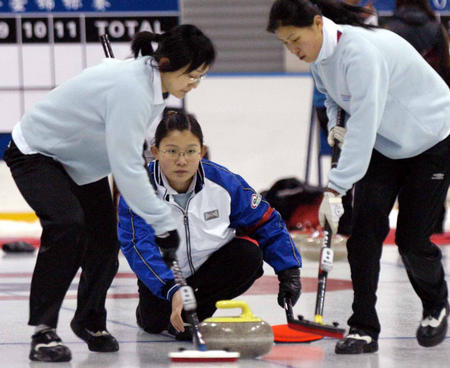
(246, 334)
(310, 243)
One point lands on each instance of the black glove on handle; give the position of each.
(290, 285)
(168, 245)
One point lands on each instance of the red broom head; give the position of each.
(282, 333)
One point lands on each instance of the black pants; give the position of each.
(79, 230)
(421, 185)
(227, 273)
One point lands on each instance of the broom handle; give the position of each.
(189, 305)
(288, 309)
(104, 39)
(107, 49)
(327, 233)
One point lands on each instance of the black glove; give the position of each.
(290, 285)
(168, 245)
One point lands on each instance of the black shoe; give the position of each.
(186, 335)
(433, 327)
(356, 342)
(99, 341)
(46, 346)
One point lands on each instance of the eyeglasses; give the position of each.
(174, 153)
(193, 80)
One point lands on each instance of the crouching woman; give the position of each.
(226, 230)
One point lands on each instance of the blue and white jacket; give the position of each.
(221, 206)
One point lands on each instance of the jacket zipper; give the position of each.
(188, 243)
(188, 235)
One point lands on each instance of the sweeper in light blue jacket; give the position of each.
(396, 145)
(226, 231)
(60, 156)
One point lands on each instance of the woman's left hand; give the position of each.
(177, 307)
(290, 286)
(337, 133)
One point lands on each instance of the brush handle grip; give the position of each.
(188, 297)
(189, 305)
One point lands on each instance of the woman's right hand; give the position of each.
(177, 307)
(168, 245)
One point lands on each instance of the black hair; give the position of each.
(178, 121)
(182, 45)
(421, 4)
(301, 13)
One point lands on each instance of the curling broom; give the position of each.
(201, 352)
(317, 326)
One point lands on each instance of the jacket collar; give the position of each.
(330, 31)
(161, 184)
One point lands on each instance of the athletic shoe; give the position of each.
(186, 335)
(433, 327)
(99, 341)
(46, 346)
(356, 342)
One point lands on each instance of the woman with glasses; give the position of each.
(226, 231)
(396, 145)
(60, 156)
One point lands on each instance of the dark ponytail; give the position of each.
(182, 45)
(300, 13)
(142, 43)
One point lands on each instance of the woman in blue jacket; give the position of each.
(396, 144)
(226, 231)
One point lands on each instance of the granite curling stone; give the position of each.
(246, 334)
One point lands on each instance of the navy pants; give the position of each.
(226, 274)
(420, 183)
(79, 230)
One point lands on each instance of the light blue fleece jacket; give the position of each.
(396, 103)
(95, 124)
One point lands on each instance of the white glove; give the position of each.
(337, 133)
(331, 209)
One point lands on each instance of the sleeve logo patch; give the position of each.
(211, 215)
(255, 200)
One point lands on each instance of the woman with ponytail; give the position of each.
(60, 155)
(396, 144)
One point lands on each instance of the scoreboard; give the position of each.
(45, 42)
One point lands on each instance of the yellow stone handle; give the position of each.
(246, 313)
